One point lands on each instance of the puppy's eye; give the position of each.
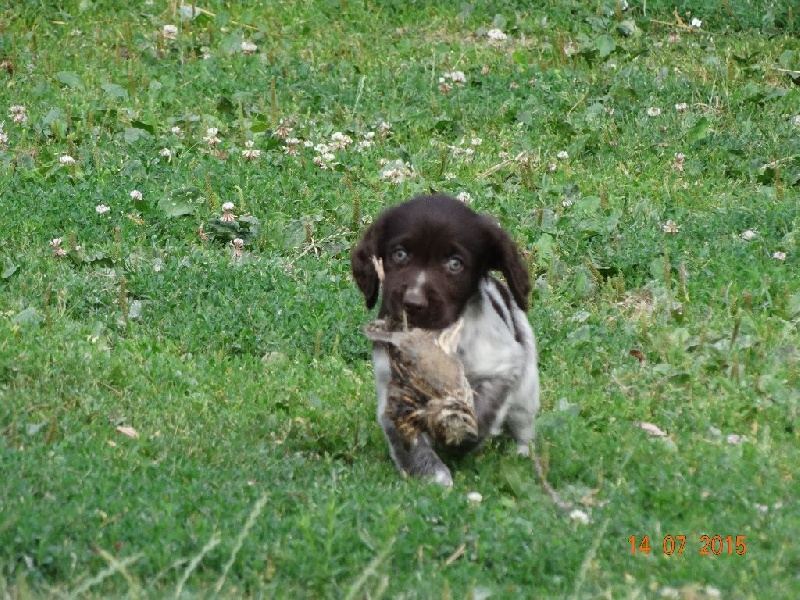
(400, 255)
(454, 264)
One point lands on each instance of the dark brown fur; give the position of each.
(432, 231)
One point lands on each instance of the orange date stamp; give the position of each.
(709, 545)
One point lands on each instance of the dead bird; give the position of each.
(428, 392)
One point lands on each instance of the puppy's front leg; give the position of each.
(417, 458)
(491, 405)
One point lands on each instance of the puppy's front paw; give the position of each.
(443, 477)
(425, 464)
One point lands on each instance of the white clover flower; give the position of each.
(563, 155)
(291, 146)
(396, 171)
(779, 255)
(456, 76)
(749, 235)
(251, 153)
(474, 497)
(570, 49)
(58, 251)
(211, 136)
(322, 148)
(465, 197)
(384, 127)
(496, 35)
(66, 159)
(566, 203)
(680, 157)
(101, 209)
(670, 227)
(476, 141)
(205, 52)
(579, 516)
(165, 153)
(445, 87)
(237, 246)
(796, 120)
(681, 106)
(697, 23)
(17, 113)
(227, 213)
(283, 131)
(449, 176)
(735, 438)
(248, 47)
(653, 111)
(339, 141)
(369, 135)
(340, 137)
(136, 195)
(552, 167)
(365, 144)
(176, 130)
(170, 32)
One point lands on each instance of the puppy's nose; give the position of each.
(414, 300)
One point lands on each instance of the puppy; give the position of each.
(438, 256)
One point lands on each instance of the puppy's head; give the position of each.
(435, 250)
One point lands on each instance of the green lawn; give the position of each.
(182, 418)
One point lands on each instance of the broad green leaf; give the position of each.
(56, 122)
(134, 134)
(29, 317)
(793, 305)
(628, 28)
(10, 269)
(145, 126)
(70, 79)
(698, 131)
(545, 250)
(115, 91)
(605, 45)
(181, 202)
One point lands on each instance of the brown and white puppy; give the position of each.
(438, 255)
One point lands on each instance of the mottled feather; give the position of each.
(429, 392)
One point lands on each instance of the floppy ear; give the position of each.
(504, 256)
(362, 265)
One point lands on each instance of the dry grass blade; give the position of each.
(370, 570)
(563, 505)
(251, 520)
(113, 568)
(458, 553)
(587, 559)
(210, 545)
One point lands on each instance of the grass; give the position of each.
(256, 468)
